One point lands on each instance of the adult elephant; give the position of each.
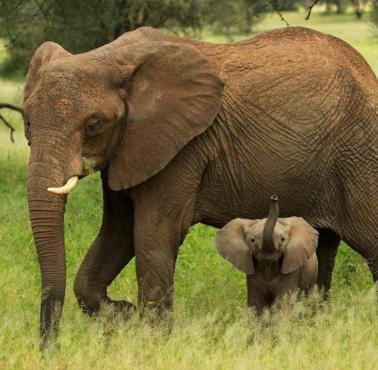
(185, 131)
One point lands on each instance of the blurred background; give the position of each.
(83, 25)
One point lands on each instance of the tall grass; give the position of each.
(210, 327)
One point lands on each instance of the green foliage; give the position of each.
(83, 25)
(288, 5)
(230, 17)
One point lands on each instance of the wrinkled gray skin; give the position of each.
(289, 265)
(185, 131)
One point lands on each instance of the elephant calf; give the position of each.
(278, 255)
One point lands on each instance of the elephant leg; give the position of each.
(257, 297)
(163, 215)
(369, 253)
(328, 244)
(164, 209)
(156, 248)
(360, 230)
(373, 266)
(109, 254)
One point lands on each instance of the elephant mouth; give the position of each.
(87, 170)
(268, 256)
(88, 166)
(93, 163)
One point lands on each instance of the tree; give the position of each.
(228, 17)
(86, 24)
(341, 6)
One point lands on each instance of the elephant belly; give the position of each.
(240, 183)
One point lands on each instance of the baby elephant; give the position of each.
(277, 254)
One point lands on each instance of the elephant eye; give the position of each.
(253, 239)
(91, 126)
(282, 238)
(27, 130)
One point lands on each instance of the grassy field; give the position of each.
(212, 328)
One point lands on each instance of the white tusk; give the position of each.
(65, 189)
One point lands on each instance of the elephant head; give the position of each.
(127, 107)
(243, 241)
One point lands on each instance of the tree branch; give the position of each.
(11, 128)
(6, 123)
(310, 9)
(278, 11)
(13, 107)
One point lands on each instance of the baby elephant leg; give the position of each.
(257, 296)
(288, 286)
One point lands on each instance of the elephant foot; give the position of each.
(114, 313)
(104, 306)
(119, 309)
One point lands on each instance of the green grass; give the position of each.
(211, 329)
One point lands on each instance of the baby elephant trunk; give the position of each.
(268, 232)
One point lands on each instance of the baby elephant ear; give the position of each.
(303, 241)
(231, 245)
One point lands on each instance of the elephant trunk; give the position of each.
(268, 232)
(47, 220)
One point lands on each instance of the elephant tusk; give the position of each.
(66, 188)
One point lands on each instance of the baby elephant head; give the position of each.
(242, 241)
(264, 248)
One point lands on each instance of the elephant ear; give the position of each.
(173, 94)
(231, 245)
(303, 241)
